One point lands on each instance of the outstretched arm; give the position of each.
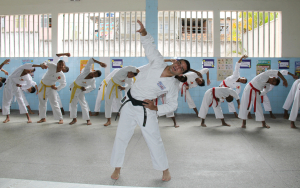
(63, 54)
(243, 57)
(42, 65)
(5, 72)
(142, 30)
(100, 63)
(207, 78)
(294, 76)
(198, 73)
(4, 63)
(283, 79)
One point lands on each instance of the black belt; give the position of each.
(134, 103)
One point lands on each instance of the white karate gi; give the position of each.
(50, 78)
(103, 86)
(33, 83)
(290, 98)
(149, 85)
(77, 95)
(258, 82)
(296, 104)
(112, 90)
(231, 82)
(221, 93)
(10, 89)
(191, 82)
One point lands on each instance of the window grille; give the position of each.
(255, 33)
(185, 33)
(103, 34)
(25, 35)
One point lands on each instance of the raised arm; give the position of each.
(63, 54)
(5, 62)
(198, 73)
(147, 41)
(100, 63)
(42, 65)
(283, 79)
(243, 57)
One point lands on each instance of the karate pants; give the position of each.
(8, 97)
(295, 107)
(290, 98)
(266, 103)
(84, 106)
(59, 100)
(231, 107)
(51, 94)
(243, 112)
(207, 99)
(99, 98)
(130, 117)
(189, 99)
(109, 101)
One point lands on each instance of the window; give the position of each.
(185, 33)
(102, 34)
(24, 36)
(255, 33)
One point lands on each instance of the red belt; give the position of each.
(214, 97)
(262, 99)
(224, 83)
(185, 83)
(256, 90)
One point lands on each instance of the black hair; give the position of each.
(181, 78)
(246, 80)
(203, 83)
(99, 73)
(135, 74)
(1, 84)
(60, 61)
(229, 98)
(66, 69)
(33, 70)
(3, 80)
(188, 66)
(278, 82)
(32, 90)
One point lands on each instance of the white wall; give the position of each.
(289, 8)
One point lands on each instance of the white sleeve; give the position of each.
(284, 72)
(265, 90)
(233, 93)
(151, 52)
(203, 71)
(87, 68)
(62, 82)
(91, 87)
(170, 103)
(236, 72)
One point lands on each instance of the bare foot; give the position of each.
(249, 116)
(73, 122)
(266, 126)
(293, 125)
(226, 124)
(272, 116)
(203, 124)
(107, 123)
(29, 121)
(42, 120)
(243, 126)
(31, 112)
(6, 120)
(166, 175)
(285, 116)
(236, 115)
(176, 126)
(95, 114)
(90, 113)
(89, 122)
(61, 121)
(116, 174)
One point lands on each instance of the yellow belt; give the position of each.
(134, 79)
(105, 84)
(75, 87)
(115, 85)
(43, 87)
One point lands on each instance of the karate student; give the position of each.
(48, 89)
(295, 107)
(290, 98)
(84, 83)
(264, 97)
(102, 89)
(234, 82)
(19, 79)
(194, 79)
(113, 85)
(213, 98)
(2, 81)
(139, 108)
(251, 95)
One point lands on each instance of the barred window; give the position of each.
(256, 33)
(102, 34)
(185, 33)
(25, 36)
